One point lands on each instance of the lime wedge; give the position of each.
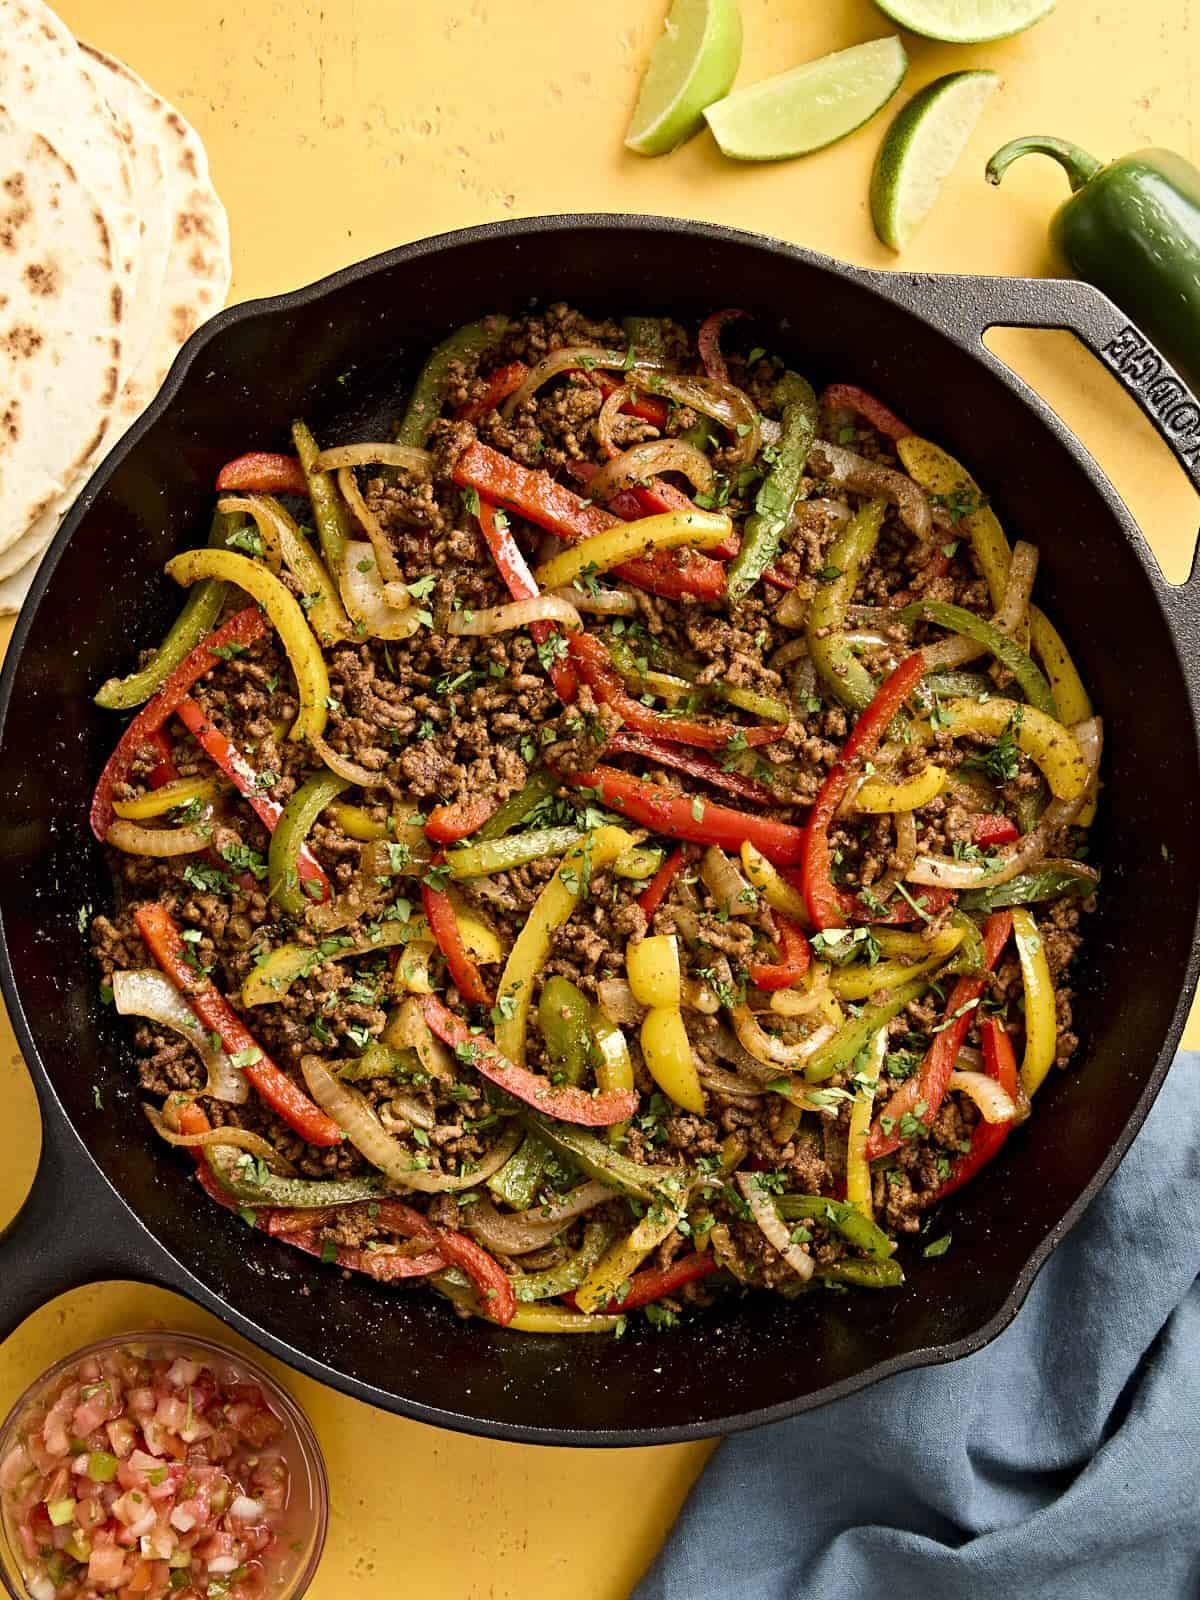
(810, 106)
(921, 149)
(966, 21)
(694, 62)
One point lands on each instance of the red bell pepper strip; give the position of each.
(242, 629)
(260, 472)
(500, 384)
(849, 397)
(898, 911)
(443, 925)
(164, 769)
(928, 1085)
(449, 824)
(646, 406)
(708, 341)
(986, 1137)
(535, 496)
(688, 817)
(655, 892)
(598, 672)
(249, 784)
(563, 1101)
(820, 892)
(993, 829)
(375, 1264)
(492, 1283)
(684, 760)
(794, 957)
(519, 580)
(165, 943)
(656, 1283)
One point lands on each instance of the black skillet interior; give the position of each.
(341, 358)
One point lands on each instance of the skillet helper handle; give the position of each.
(966, 307)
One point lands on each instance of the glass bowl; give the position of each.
(308, 1501)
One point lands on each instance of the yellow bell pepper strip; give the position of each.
(904, 942)
(863, 1274)
(1074, 704)
(552, 908)
(178, 792)
(412, 969)
(860, 982)
(857, 1230)
(286, 886)
(878, 796)
(470, 342)
(775, 889)
(269, 980)
(1046, 742)
(480, 938)
(198, 617)
(669, 1060)
(652, 966)
(621, 1260)
(328, 508)
(634, 1179)
(569, 1274)
(539, 786)
(1030, 678)
(838, 667)
(564, 1102)
(322, 602)
(540, 1317)
(358, 822)
(1041, 1026)
(611, 1061)
(858, 1168)
(633, 541)
(940, 475)
(854, 1036)
(565, 1020)
(501, 855)
(780, 489)
(287, 618)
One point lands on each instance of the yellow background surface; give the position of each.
(337, 128)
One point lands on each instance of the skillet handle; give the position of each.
(71, 1230)
(966, 307)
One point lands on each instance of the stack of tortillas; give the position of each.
(113, 249)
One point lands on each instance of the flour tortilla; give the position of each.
(60, 326)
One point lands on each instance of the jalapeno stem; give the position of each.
(1079, 166)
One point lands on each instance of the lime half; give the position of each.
(694, 62)
(921, 149)
(810, 106)
(966, 21)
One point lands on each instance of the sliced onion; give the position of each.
(793, 650)
(518, 1233)
(619, 1006)
(820, 509)
(389, 569)
(352, 771)
(772, 1226)
(354, 1116)
(135, 840)
(729, 1084)
(409, 1031)
(609, 411)
(367, 455)
(724, 402)
(364, 594)
(768, 1050)
(725, 883)
(792, 610)
(944, 872)
(240, 1138)
(696, 995)
(708, 342)
(144, 992)
(265, 521)
(643, 461)
(514, 614)
(572, 357)
(615, 602)
(994, 1102)
(847, 470)
(1008, 617)
(413, 1111)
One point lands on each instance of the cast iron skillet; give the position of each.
(110, 1202)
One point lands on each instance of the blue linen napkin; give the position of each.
(1061, 1462)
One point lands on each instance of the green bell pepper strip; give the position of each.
(428, 392)
(539, 786)
(568, 1274)
(777, 495)
(847, 1220)
(638, 864)
(863, 1274)
(501, 855)
(291, 831)
(1029, 676)
(519, 1179)
(645, 334)
(565, 1020)
(838, 1055)
(969, 956)
(234, 1173)
(952, 685)
(197, 619)
(330, 512)
(1047, 882)
(1133, 229)
(600, 1161)
(380, 1060)
(837, 665)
